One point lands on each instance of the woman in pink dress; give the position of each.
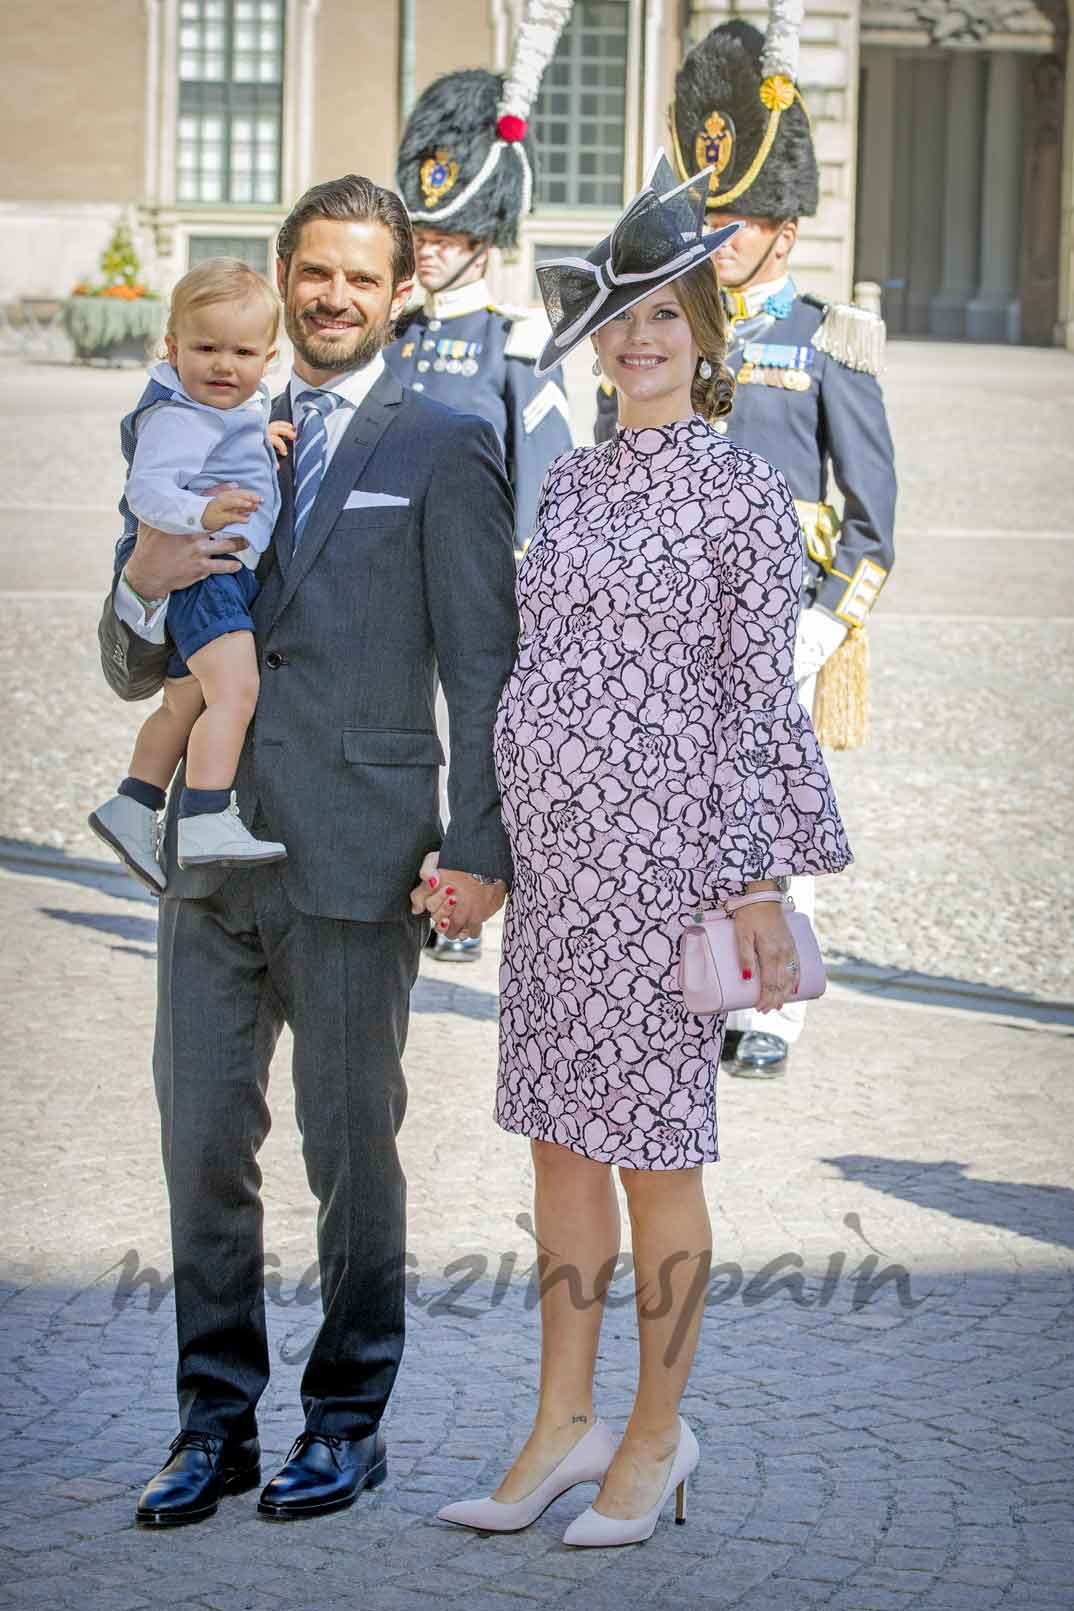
(652, 757)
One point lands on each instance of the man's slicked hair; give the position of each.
(352, 199)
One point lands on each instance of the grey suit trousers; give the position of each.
(233, 968)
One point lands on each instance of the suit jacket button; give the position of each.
(274, 659)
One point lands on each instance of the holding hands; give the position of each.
(457, 903)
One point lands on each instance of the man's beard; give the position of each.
(319, 354)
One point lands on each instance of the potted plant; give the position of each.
(115, 317)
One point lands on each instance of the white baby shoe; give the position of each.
(222, 839)
(130, 829)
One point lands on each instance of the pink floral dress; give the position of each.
(651, 754)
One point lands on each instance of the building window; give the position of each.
(580, 117)
(252, 249)
(230, 101)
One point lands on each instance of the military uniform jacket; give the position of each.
(814, 417)
(481, 362)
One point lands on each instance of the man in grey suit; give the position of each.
(393, 565)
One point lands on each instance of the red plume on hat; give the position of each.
(466, 162)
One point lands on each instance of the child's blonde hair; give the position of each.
(222, 279)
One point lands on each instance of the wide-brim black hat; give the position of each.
(734, 112)
(660, 237)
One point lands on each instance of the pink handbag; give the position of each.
(710, 973)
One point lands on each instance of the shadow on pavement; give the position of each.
(46, 861)
(121, 925)
(443, 996)
(875, 978)
(1045, 1213)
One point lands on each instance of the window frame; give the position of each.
(231, 102)
(575, 116)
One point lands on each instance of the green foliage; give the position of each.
(119, 270)
(95, 323)
(119, 261)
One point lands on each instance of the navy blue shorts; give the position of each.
(217, 605)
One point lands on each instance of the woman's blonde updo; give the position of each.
(699, 295)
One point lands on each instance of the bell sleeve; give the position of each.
(775, 808)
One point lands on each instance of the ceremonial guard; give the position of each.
(466, 171)
(807, 397)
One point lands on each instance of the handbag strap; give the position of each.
(733, 902)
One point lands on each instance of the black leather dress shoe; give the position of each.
(200, 1470)
(760, 1056)
(324, 1473)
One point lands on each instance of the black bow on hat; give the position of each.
(660, 236)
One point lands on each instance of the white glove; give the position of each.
(819, 636)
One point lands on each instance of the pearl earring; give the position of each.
(704, 369)
(596, 366)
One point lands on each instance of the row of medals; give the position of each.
(791, 380)
(453, 366)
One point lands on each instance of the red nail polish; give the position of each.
(444, 925)
(746, 973)
(450, 890)
(434, 882)
(452, 901)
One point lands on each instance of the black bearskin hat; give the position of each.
(457, 170)
(726, 110)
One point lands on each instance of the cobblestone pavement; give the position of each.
(910, 1449)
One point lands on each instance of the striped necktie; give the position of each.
(312, 452)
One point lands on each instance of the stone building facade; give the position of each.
(945, 130)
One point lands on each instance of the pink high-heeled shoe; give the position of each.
(598, 1531)
(586, 1462)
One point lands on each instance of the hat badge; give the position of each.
(715, 146)
(437, 175)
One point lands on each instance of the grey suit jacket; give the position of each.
(341, 761)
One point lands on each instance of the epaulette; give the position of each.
(852, 336)
(528, 334)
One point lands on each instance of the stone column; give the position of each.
(989, 315)
(961, 211)
(876, 167)
(925, 244)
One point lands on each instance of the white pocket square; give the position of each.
(376, 500)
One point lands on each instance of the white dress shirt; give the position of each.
(354, 387)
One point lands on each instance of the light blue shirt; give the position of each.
(354, 387)
(184, 447)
